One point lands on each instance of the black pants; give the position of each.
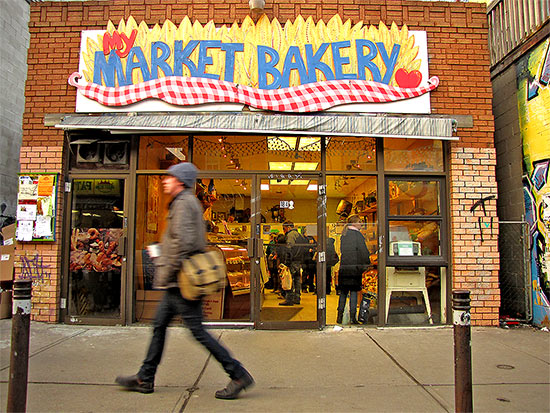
(308, 281)
(173, 304)
(329, 279)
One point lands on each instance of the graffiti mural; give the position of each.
(533, 71)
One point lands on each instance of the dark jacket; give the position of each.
(354, 260)
(294, 254)
(332, 256)
(185, 233)
(281, 250)
(309, 263)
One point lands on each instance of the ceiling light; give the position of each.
(278, 182)
(312, 187)
(280, 166)
(264, 187)
(305, 166)
(299, 182)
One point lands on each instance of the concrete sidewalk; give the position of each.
(72, 369)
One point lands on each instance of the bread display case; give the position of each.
(237, 291)
(238, 268)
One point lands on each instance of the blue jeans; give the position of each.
(173, 304)
(352, 302)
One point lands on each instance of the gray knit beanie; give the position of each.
(185, 172)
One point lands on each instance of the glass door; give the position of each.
(285, 243)
(97, 253)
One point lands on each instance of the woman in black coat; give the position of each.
(353, 262)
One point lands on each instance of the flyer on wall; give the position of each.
(36, 202)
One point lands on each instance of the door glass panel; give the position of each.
(414, 238)
(288, 276)
(414, 197)
(226, 204)
(346, 196)
(97, 242)
(414, 295)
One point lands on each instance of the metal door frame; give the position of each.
(257, 248)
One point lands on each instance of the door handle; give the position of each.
(250, 247)
(259, 248)
(254, 247)
(121, 247)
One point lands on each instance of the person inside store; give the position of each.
(185, 234)
(332, 259)
(273, 282)
(354, 261)
(294, 264)
(310, 266)
(281, 257)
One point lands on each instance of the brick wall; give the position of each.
(46, 256)
(458, 54)
(475, 233)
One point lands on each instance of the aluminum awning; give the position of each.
(413, 126)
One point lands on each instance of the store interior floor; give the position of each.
(307, 310)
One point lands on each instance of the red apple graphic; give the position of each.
(408, 79)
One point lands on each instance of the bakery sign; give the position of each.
(301, 66)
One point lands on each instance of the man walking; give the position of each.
(184, 235)
(293, 238)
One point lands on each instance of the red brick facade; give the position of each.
(458, 55)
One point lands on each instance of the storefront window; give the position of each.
(160, 152)
(413, 154)
(351, 154)
(346, 196)
(261, 153)
(415, 295)
(226, 204)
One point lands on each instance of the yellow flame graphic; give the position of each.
(264, 32)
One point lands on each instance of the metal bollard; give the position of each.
(20, 334)
(462, 350)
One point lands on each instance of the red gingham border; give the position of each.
(311, 97)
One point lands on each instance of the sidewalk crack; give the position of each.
(409, 375)
(186, 396)
(47, 347)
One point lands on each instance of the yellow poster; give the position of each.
(45, 185)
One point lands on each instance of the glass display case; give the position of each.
(238, 268)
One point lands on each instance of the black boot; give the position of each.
(339, 317)
(352, 319)
(235, 386)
